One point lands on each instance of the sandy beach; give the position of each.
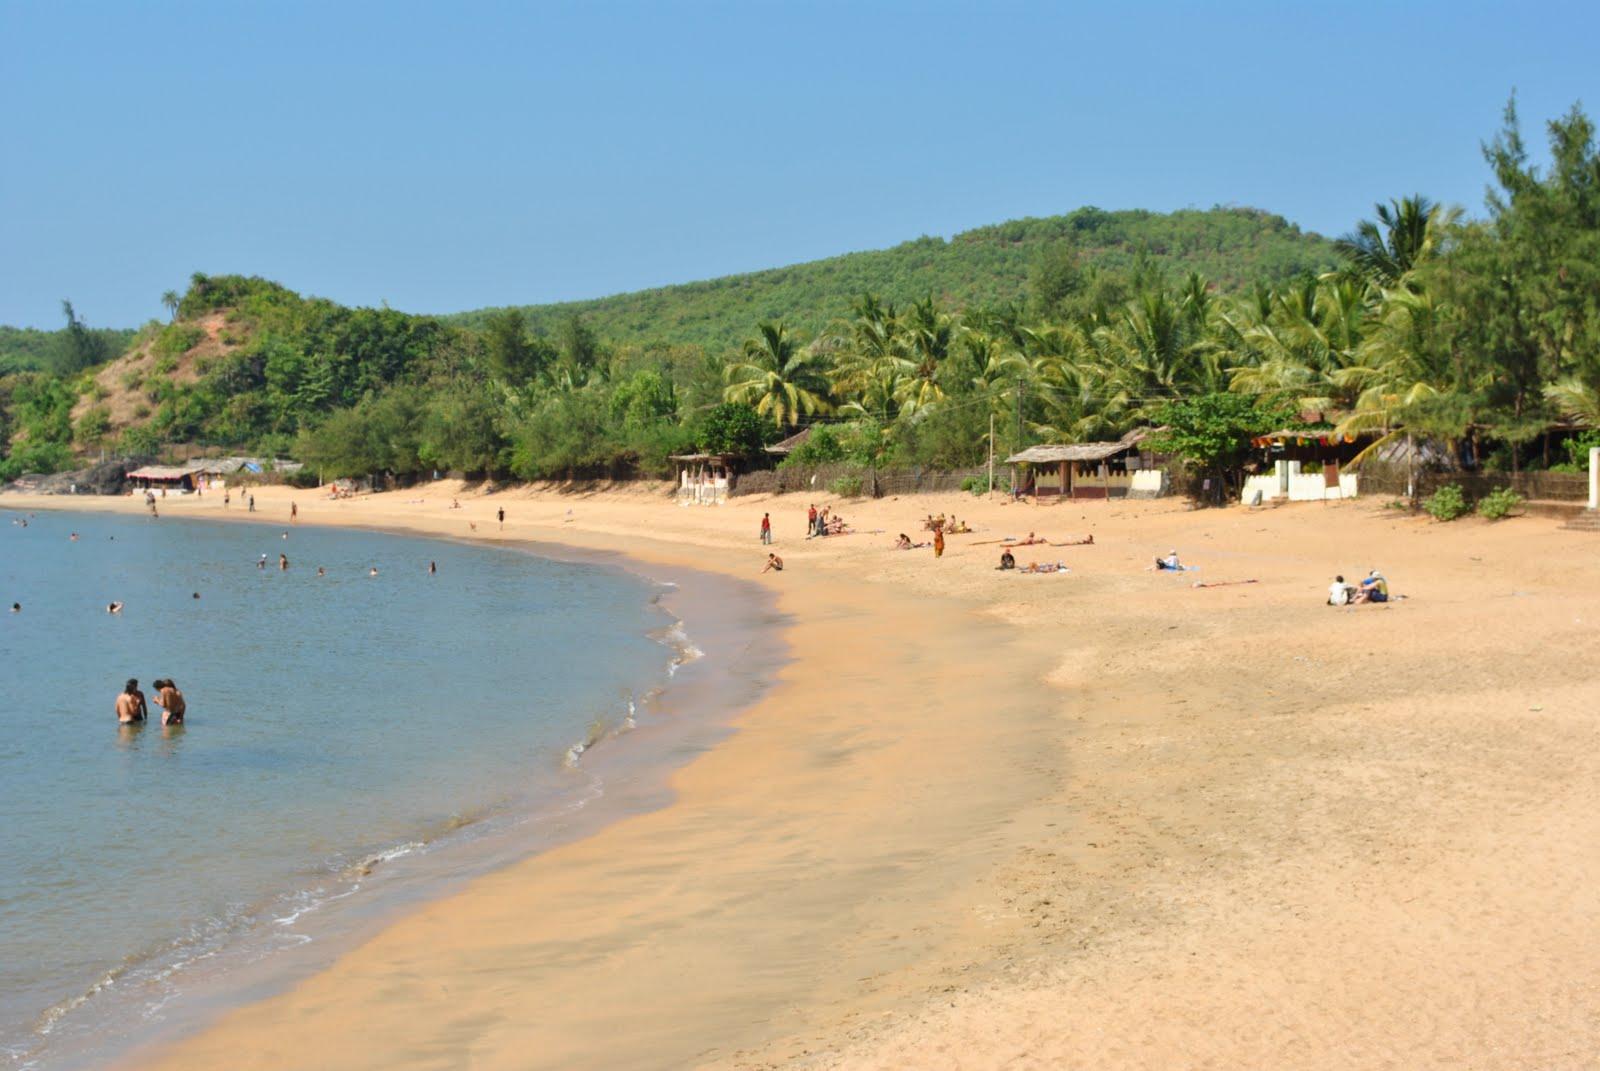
(1102, 819)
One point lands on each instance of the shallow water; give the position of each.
(334, 722)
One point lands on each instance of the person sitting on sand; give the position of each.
(1374, 588)
(1340, 593)
(1170, 562)
(1008, 560)
(774, 564)
(131, 707)
(170, 700)
(904, 542)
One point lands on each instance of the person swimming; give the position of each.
(283, 562)
(113, 608)
(321, 571)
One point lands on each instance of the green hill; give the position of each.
(1235, 248)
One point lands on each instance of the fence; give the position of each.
(1388, 479)
(875, 483)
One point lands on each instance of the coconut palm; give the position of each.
(1406, 233)
(782, 379)
(171, 300)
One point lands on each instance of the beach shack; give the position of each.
(1098, 470)
(704, 479)
(164, 477)
(1306, 464)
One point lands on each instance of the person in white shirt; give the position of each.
(1339, 592)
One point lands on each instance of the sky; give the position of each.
(441, 157)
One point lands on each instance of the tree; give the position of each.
(733, 428)
(512, 354)
(1213, 431)
(83, 348)
(170, 300)
(777, 376)
(1406, 233)
(1057, 280)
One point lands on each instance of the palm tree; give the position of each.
(781, 378)
(170, 299)
(1405, 234)
(927, 347)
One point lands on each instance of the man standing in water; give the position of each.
(170, 700)
(131, 708)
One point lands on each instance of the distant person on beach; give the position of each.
(113, 608)
(283, 562)
(1008, 560)
(170, 700)
(1340, 593)
(811, 520)
(766, 528)
(294, 513)
(1169, 562)
(226, 498)
(130, 704)
(1374, 588)
(774, 564)
(252, 503)
(938, 542)
(501, 514)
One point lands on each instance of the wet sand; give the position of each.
(1102, 819)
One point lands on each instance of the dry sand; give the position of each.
(1104, 820)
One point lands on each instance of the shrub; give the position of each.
(139, 442)
(846, 486)
(132, 380)
(1498, 504)
(176, 340)
(1446, 504)
(164, 366)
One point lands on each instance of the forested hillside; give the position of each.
(1479, 335)
(1234, 248)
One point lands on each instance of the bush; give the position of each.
(1446, 504)
(1498, 504)
(177, 339)
(846, 486)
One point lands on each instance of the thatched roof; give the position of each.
(798, 439)
(1050, 455)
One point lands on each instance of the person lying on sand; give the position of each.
(1008, 560)
(1170, 561)
(1030, 541)
(774, 564)
(1086, 541)
(1047, 567)
(904, 543)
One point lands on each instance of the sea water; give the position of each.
(335, 722)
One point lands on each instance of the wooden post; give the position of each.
(991, 452)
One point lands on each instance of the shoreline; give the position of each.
(625, 768)
(1097, 818)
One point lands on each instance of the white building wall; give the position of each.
(1287, 482)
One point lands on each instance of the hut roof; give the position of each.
(161, 472)
(1081, 451)
(701, 457)
(798, 439)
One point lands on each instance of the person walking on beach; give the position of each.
(131, 707)
(501, 513)
(766, 528)
(811, 521)
(938, 541)
(252, 503)
(170, 700)
(294, 513)
(226, 496)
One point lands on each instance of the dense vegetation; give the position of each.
(1482, 335)
(1234, 247)
(70, 349)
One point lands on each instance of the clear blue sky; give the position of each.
(442, 157)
